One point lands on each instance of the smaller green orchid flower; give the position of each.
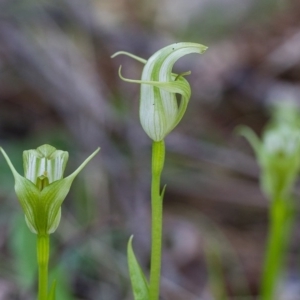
(278, 154)
(159, 109)
(43, 189)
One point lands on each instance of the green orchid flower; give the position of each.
(160, 112)
(159, 109)
(278, 155)
(43, 189)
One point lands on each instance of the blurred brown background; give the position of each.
(58, 85)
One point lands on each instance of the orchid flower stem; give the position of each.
(158, 157)
(43, 259)
(281, 217)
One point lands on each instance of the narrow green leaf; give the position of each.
(138, 280)
(51, 295)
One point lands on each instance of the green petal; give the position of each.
(44, 161)
(27, 193)
(155, 119)
(29, 198)
(52, 198)
(160, 64)
(31, 227)
(54, 194)
(53, 225)
(56, 165)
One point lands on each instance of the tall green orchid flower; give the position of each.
(41, 193)
(159, 109)
(160, 113)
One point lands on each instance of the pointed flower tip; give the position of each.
(11, 166)
(137, 58)
(116, 54)
(76, 172)
(203, 48)
(91, 156)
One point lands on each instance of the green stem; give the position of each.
(280, 224)
(158, 157)
(43, 258)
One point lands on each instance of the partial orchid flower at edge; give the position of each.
(278, 155)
